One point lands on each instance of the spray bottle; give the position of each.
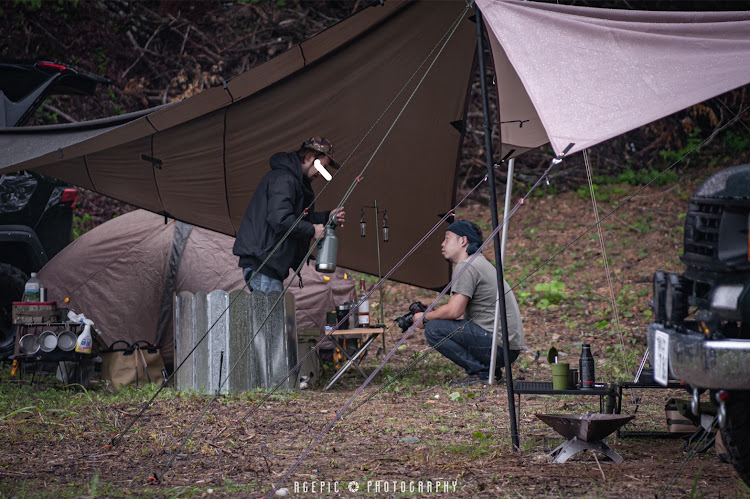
(85, 341)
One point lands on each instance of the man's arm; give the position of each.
(281, 209)
(452, 310)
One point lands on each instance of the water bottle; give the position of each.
(363, 312)
(327, 251)
(32, 289)
(586, 368)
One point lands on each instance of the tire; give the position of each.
(12, 282)
(736, 433)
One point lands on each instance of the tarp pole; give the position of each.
(493, 207)
(504, 239)
(506, 209)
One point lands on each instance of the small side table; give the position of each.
(369, 335)
(545, 388)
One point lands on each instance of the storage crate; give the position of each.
(25, 312)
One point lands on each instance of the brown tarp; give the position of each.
(115, 275)
(570, 74)
(213, 148)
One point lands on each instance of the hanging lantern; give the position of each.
(362, 224)
(385, 226)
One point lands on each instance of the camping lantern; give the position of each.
(385, 226)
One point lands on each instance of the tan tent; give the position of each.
(122, 275)
(569, 75)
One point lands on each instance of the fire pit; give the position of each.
(584, 431)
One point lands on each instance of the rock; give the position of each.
(408, 440)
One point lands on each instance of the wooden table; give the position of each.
(369, 335)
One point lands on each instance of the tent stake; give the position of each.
(493, 208)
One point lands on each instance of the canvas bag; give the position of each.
(125, 364)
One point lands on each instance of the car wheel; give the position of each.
(736, 432)
(12, 282)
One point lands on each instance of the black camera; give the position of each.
(406, 320)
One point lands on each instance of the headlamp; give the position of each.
(322, 170)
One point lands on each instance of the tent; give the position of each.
(571, 76)
(123, 275)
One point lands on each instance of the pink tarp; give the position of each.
(581, 75)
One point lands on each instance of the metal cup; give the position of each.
(47, 341)
(66, 340)
(573, 379)
(29, 344)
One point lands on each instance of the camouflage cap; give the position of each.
(322, 145)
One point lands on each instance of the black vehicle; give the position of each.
(36, 212)
(709, 350)
(23, 87)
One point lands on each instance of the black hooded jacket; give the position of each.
(283, 193)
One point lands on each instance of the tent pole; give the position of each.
(493, 208)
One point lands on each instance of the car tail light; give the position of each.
(69, 196)
(51, 65)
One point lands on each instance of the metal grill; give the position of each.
(702, 230)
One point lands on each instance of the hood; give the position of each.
(288, 161)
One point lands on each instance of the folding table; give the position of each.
(369, 335)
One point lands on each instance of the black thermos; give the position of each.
(586, 367)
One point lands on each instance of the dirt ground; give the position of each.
(414, 435)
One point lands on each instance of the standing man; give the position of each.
(473, 296)
(282, 195)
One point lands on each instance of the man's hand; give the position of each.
(319, 230)
(418, 320)
(339, 216)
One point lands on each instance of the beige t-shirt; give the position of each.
(479, 283)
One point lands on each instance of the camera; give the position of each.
(406, 320)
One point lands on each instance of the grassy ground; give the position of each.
(410, 426)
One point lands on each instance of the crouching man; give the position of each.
(460, 329)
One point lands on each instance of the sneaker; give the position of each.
(472, 379)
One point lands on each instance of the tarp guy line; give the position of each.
(346, 196)
(408, 333)
(607, 270)
(451, 30)
(364, 297)
(525, 278)
(629, 198)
